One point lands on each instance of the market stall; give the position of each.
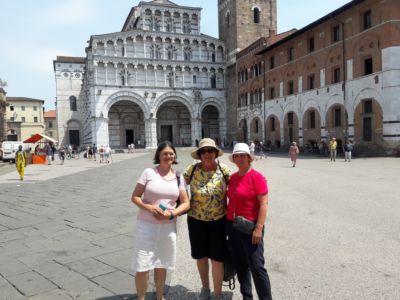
(38, 156)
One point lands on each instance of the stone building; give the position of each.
(158, 79)
(24, 117)
(336, 77)
(3, 121)
(50, 121)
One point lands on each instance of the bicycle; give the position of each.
(73, 154)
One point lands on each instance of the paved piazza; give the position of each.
(333, 230)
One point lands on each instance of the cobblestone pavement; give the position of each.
(333, 230)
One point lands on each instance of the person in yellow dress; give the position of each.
(208, 181)
(20, 162)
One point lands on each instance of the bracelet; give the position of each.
(171, 217)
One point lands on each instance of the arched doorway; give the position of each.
(256, 130)
(272, 132)
(173, 123)
(242, 131)
(291, 128)
(336, 124)
(311, 128)
(368, 123)
(210, 123)
(73, 133)
(126, 125)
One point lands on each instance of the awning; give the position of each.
(37, 137)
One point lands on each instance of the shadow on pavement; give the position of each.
(177, 292)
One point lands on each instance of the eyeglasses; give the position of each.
(240, 155)
(206, 150)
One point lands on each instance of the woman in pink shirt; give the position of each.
(293, 153)
(155, 194)
(248, 198)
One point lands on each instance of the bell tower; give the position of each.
(241, 22)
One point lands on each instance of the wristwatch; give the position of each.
(171, 217)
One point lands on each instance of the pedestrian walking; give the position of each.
(156, 193)
(61, 153)
(333, 149)
(101, 153)
(348, 149)
(49, 153)
(261, 150)
(247, 212)
(94, 151)
(20, 162)
(107, 154)
(252, 147)
(293, 153)
(206, 219)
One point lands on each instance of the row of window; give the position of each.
(254, 72)
(12, 107)
(254, 97)
(154, 24)
(336, 36)
(311, 79)
(23, 119)
(256, 17)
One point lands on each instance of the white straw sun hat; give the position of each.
(241, 148)
(205, 143)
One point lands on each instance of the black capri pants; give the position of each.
(207, 238)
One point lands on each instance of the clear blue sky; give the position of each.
(33, 33)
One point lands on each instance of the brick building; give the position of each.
(336, 77)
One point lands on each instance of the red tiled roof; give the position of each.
(50, 114)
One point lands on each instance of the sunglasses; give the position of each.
(240, 155)
(206, 150)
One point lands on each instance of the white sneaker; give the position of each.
(204, 294)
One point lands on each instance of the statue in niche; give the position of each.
(197, 95)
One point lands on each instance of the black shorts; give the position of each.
(207, 239)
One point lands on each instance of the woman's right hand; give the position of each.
(156, 211)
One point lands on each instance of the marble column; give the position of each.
(196, 129)
(151, 132)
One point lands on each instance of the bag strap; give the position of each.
(178, 178)
(192, 173)
(223, 174)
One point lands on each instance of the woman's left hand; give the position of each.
(164, 216)
(257, 236)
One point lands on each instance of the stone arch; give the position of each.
(129, 96)
(74, 132)
(336, 122)
(210, 121)
(256, 129)
(242, 131)
(215, 102)
(179, 96)
(290, 127)
(272, 131)
(368, 124)
(311, 124)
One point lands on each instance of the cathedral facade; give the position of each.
(158, 79)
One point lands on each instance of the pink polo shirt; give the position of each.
(243, 192)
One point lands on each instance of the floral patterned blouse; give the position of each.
(208, 192)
